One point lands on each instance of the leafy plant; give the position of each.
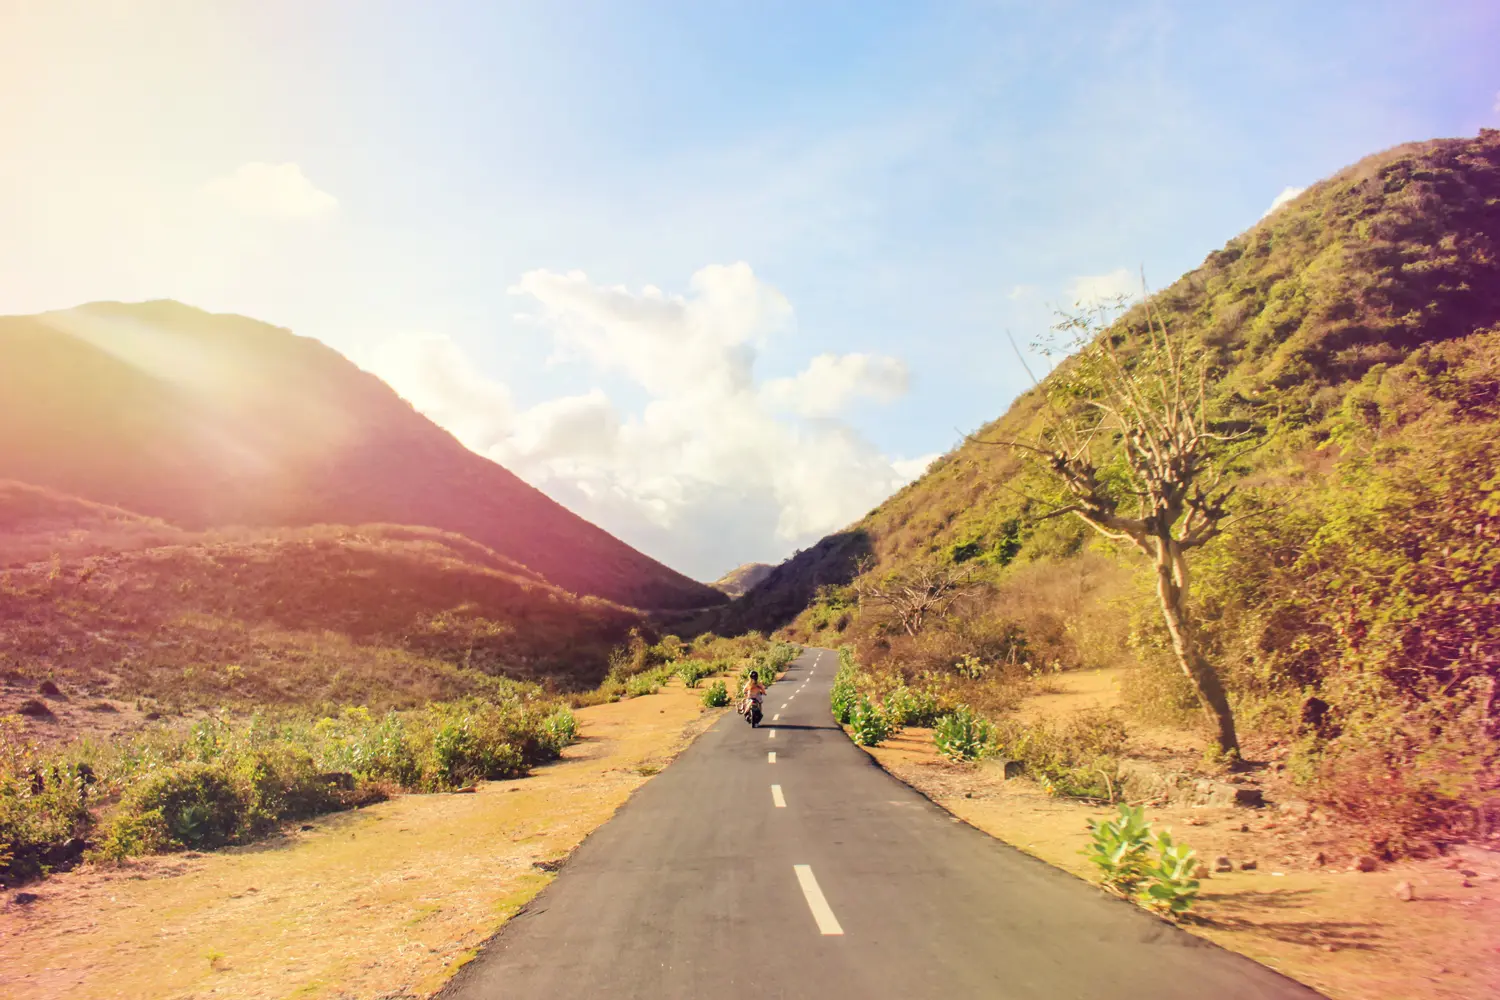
(716, 695)
(867, 723)
(905, 706)
(1170, 886)
(1121, 849)
(962, 735)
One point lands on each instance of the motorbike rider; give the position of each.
(755, 691)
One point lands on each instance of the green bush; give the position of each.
(693, 671)
(1121, 850)
(961, 735)
(867, 724)
(716, 695)
(906, 706)
(192, 805)
(844, 692)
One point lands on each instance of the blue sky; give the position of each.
(904, 182)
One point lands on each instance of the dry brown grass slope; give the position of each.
(380, 615)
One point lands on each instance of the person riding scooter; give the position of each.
(755, 693)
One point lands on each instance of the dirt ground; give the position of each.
(385, 902)
(1302, 909)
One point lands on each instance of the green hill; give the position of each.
(1357, 621)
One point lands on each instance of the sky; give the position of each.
(717, 276)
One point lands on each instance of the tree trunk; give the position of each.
(1172, 589)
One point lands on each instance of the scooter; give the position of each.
(752, 713)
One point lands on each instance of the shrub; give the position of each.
(192, 805)
(716, 695)
(561, 729)
(867, 724)
(1121, 849)
(1170, 886)
(843, 694)
(961, 735)
(1077, 759)
(693, 671)
(905, 706)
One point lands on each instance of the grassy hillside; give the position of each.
(1357, 623)
(382, 616)
(208, 421)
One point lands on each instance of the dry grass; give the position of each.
(378, 615)
(387, 901)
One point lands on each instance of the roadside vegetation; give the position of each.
(1345, 595)
(233, 777)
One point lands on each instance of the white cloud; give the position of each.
(716, 468)
(831, 381)
(1286, 195)
(271, 191)
(1099, 289)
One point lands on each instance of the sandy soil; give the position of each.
(1301, 910)
(384, 902)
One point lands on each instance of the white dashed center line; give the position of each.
(776, 717)
(771, 757)
(777, 797)
(828, 924)
(773, 734)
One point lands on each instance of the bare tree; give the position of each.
(911, 597)
(1175, 465)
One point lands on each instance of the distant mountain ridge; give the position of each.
(742, 578)
(206, 420)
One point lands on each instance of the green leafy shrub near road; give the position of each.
(961, 735)
(906, 706)
(716, 695)
(1122, 850)
(868, 726)
(844, 692)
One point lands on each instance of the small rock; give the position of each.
(1468, 873)
(48, 689)
(1248, 866)
(466, 791)
(1223, 864)
(1201, 871)
(1244, 828)
(35, 709)
(1329, 947)
(1320, 858)
(547, 866)
(1197, 821)
(1364, 863)
(1467, 884)
(307, 826)
(23, 898)
(1404, 891)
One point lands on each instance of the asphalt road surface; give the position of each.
(781, 862)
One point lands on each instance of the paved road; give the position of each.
(815, 874)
